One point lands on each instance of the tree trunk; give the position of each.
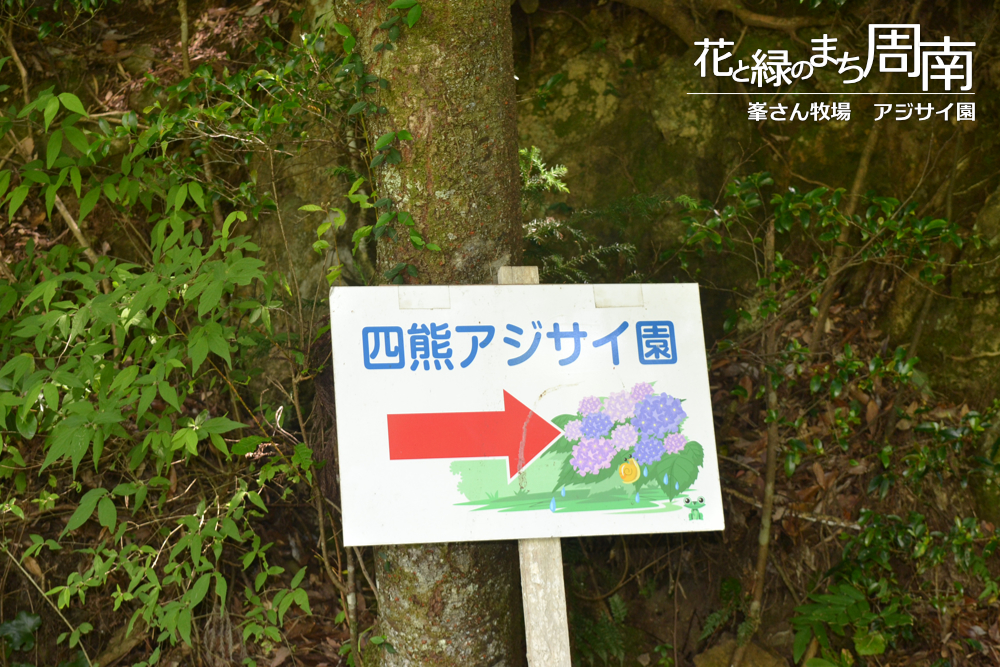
(451, 84)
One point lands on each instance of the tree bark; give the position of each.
(451, 84)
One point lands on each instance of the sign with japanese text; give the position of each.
(521, 411)
(939, 66)
(892, 48)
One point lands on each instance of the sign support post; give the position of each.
(546, 626)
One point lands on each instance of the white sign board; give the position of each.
(510, 412)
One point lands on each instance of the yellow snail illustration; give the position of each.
(629, 471)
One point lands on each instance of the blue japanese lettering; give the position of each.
(613, 339)
(476, 345)
(534, 342)
(657, 344)
(387, 340)
(575, 334)
(427, 343)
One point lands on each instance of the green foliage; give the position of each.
(546, 90)
(666, 655)
(106, 359)
(733, 603)
(791, 242)
(888, 231)
(19, 634)
(602, 639)
(563, 252)
(53, 15)
(845, 608)
(538, 180)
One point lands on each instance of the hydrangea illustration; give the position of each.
(592, 455)
(674, 443)
(597, 425)
(641, 391)
(637, 428)
(624, 437)
(573, 430)
(590, 405)
(658, 415)
(620, 406)
(649, 450)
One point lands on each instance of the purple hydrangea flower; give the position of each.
(649, 450)
(641, 391)
(590, 405)
(674, 443)
(573, 430)
(658, 415)
(624, 437)
(620, 406)
(597, 425)
(592, 455)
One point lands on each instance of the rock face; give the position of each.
(721, 655)
(617, 112)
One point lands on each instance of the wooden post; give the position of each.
(545, 623)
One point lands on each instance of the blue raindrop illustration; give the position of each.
(666, 480)
(637, 497)
(645, 471)
(677, 486)
(552, 505)
(563, 492)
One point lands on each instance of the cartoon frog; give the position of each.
(695, 505)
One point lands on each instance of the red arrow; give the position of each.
(517, 433)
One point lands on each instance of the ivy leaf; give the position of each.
(247, 445)
(72, 102)
(200, 589)
(404, 135)
(51, 109)
(385, 140)
(869, 643)
(198, 351)
(361, 233)
(221, 425)
(125, 378)
(210, 297)
(17, 198)
(414, 15)
(182, 193)
(53, 148)
(75, 178)
(88, 202)
(341, 219)
(85, 509)
(356, 185)
(169, 394)
(20, 632)
(184, 625)
(349, 40)
(107, 514)
(197, 194)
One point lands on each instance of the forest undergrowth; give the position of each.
(168, 492)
